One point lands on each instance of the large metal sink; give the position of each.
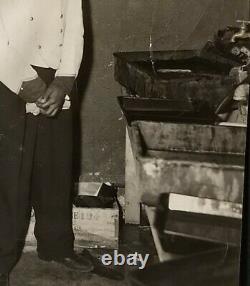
(192, 79)
(204, 161)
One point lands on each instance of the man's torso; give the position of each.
(35, 27)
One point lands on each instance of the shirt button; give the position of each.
(61, 16)
(61, 31)
(60, 45)
(39, 47)
(31, 18)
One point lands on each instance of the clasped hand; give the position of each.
(50, 99)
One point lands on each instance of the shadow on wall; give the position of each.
(82, 84)
(87, 62)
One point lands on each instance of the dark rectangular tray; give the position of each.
(162, 110)
(205, 87)
(204, 227)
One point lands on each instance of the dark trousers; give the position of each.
(35, 171)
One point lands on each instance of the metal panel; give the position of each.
(209, 162)
(193, 137)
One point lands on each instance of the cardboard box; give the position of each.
(93, 227)
(96, 227)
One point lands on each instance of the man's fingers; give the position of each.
(46, 104)
(43, 111)
(48, 93)
(51, 111)
(52, 101)
(54, 112)
(46, 100)
(41, 100)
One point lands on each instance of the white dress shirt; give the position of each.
(46, 33)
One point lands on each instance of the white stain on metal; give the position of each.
(153, 169)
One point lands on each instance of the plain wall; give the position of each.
(131, 25)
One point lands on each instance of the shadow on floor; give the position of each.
(32, 271)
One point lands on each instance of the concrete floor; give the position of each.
(30, 270)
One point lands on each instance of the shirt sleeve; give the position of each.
(13, 67)
(73, 42)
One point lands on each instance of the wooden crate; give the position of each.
(96, 227)
(93, 227)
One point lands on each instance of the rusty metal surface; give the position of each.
(205, 175)
(201, 179)
(204, 88)
(193, 137)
